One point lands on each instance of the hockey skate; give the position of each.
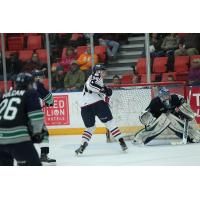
(46, 160)
(123, 144)
(81, 148)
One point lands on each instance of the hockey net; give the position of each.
(129, 100)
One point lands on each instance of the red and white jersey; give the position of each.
(91, 91)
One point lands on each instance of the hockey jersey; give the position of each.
(44, 94)
(92, 90)
(18, 108)
(157, 107)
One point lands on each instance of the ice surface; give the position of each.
(100, 153)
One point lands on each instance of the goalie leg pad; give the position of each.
(153, 130)
(177, 125)
(114, 130)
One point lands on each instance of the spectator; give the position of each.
(58, 79)
(112, 47)
(170, 43)
(116, 80)
(85, 61)
(194, 72)
(155, 46)
(68, 59)
(74, 79)
(34, 63)
(14, 65)
(189, 45)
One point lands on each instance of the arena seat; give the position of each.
(143, 78)
(165, 76)
(101, 52)
(127, 79)
(141, 66)
(159, 64)
(15, 43)
(8, 53)
(25, 55)
(34, 42)
(2, 85)
(42, 54)
(80, 50)
(181, 63)
(182, 76)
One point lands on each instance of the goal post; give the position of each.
(129, 100)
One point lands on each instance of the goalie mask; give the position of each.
(164, 95)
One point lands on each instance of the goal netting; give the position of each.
(129, 100)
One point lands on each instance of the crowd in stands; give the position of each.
(173, 57)
(70, 56)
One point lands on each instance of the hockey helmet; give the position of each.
(23, 80)
(38, 74)
(163, 93)
(98, 67)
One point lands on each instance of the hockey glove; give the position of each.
(106, 91)
(37, 137)
(48, 105)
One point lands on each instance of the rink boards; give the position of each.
(65, 117)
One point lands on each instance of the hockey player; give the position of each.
(93, 104)
(21, 121)
(47, 98)
(166, 111)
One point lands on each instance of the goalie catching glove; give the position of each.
(106, 91)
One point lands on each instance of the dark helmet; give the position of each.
(23, 80)
(38, 73)
(98, 67)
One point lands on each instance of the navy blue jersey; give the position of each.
(157, 107)
(18, 108)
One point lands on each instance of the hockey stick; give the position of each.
(186, 124)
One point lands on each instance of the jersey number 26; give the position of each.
(8, 109)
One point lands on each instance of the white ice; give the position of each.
(100, 153)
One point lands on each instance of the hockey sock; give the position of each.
(114, 130)
(87, 135)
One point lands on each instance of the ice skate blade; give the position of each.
(49, 164)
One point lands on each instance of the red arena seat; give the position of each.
(159, 65)
(181, 63)
(25, 55)
(15, 43)
(42, 54)
(80, 50)
(144, 78)
(34, 42)
(101, 52)
(127, 79)
(141, 66)
(166, 75)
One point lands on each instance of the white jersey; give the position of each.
(91, 91)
